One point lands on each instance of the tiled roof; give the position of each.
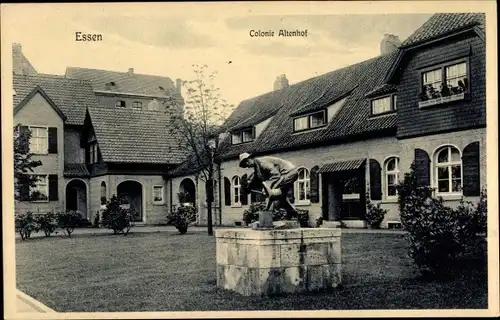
(443, 23)
(353, 119)
(75, 170)
(342, 166)
(71, 96)
(124, 82)
(135, 136)
(321, 103)
(380, 90)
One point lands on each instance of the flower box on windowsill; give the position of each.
(433, 102)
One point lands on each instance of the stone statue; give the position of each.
(275, 177)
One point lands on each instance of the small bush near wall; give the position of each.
(47, 223)
(69, 220)
(439, 236)
(182, 217)
(374, 214)
(26, 224)
(117, 217)
(97, 220)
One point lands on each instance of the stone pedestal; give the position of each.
(267, 262)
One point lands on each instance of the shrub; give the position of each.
(374, 214)
(481, 213)
(26, 224)
(116, 217)
(69, 220)
(252, 213)
(438, 235)
(182, 217)
(319, 222)
(47, 223)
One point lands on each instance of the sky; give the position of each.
(154, 40)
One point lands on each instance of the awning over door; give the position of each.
(342, 166)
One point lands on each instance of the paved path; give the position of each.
(153, 229)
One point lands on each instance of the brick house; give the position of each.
(91, 145)
(359, 128)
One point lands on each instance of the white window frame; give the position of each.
(118, 104)
(303, 183)
(239, 136)
(396, 172)
(37, 187)
(445, 79)
(236, 191)
(45, 149)
(162, 191)
(308, 121)
(449, 165)
(392, 105)
(137, 105)
(93, 152)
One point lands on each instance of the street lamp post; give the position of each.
(210, 185)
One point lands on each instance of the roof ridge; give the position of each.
(53, 76)
(121, 72)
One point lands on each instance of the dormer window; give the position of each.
(137, 105)
(310, 121)
(242, 136)
(383, 105)
(121, 104)
(444, 83)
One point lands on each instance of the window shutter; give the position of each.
(471, 170)
(291, 193)
(243, 191)
(227, 192)
(314, 180)
(53, 188)
(52, 140)
(23, 136)
(375, 180)
(422, 167)
(24, 189)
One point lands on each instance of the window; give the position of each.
(137, 105)
(154, 105)
(384, 105)
(391, 177)
(157, 194)
(246, 135)
(39, 142)
(236, 190)
(448, 170)
(447, 80)
(121, 104)
(314, 120)
(40, 191)
(303, 186)
(103, 193)
(93, 157)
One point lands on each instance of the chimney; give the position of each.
(178, 85)
(130, 71)
(389, 44)
(280, 82)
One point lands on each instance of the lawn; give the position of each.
(165, 271)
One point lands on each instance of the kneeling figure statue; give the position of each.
(273, 177)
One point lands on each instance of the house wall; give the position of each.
(111, 99)
(73, 152)
(431, 143)
(464, 114)
(379, 149)
(38, 112)
(152, 213)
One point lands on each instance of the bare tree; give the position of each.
(198, 127)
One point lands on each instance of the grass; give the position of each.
(169, 272)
